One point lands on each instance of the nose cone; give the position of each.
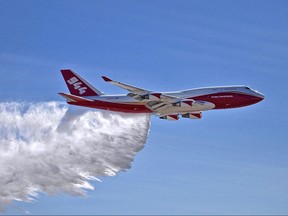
(261, 96)
(258, 97)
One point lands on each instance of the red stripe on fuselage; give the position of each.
(227, 100)
(117, 107)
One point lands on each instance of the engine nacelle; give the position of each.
(184, 103)
(170, 117)
(151, 96)
(193, 115)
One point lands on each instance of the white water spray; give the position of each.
(45, 148)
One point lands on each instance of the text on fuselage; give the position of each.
(222, 96)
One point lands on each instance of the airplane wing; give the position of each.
(130, 88)
(142, 94)
(159, 103)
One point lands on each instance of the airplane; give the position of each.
(167, 105)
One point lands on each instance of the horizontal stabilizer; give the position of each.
(74, 98)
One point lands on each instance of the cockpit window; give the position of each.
(247, 88)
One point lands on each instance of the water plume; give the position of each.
(46, 147)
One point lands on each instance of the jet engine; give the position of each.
(192, 115)
(149, 96)
(170, 117)
(184, 103)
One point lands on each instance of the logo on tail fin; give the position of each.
(77, 85)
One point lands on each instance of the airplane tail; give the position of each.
(79, 86)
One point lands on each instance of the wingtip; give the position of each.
(106, 79)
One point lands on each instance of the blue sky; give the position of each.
(230, 162)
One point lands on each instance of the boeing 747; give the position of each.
(167, 105)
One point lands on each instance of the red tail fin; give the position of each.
(77, 85)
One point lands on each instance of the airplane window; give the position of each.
(247, 88)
